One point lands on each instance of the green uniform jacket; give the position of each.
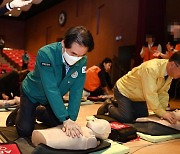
(45, 85)
(147, 83)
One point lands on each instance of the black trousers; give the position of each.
(28, 113)
(24, 66)
(126, 111)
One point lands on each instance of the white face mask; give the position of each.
(71, 60)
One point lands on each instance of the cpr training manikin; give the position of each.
(54, 137)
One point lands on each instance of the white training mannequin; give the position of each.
(56, 138)
(8, 103)
(155, 118)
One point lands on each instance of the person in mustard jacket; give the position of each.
(60, 67)
(145, 84)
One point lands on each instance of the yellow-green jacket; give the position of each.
(147, 83)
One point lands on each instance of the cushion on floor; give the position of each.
(150, 127)
(115, 148)
(42, 149)
(155, 139)
(155, 129)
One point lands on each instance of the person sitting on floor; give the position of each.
(96, 128)
(9, 103)
(98, 81)
(146, 84)
(10, 84)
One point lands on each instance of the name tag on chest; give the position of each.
(46, 64)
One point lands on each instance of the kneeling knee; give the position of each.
(24, 132)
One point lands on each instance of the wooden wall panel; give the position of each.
(13, 32)
(117, 17)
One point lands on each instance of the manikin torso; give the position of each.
(56, 138)
(154, 118)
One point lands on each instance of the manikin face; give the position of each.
(107, 66)
(100, 127)
(177, 114)
(173, 70)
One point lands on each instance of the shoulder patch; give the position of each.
(84, 69)
(46, 64)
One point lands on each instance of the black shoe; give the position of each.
(10, 121)
(104, 108)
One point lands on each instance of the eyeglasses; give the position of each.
(177, 64)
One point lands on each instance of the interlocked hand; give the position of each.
(170, 117)
(71, 128)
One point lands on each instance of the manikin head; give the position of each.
(100, 127)
(177, 114)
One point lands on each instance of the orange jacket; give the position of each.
(92, 81)
(149, 54)
(177, 47)
(170, 53)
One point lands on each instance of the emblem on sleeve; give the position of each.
(74, 75)
(84, 69)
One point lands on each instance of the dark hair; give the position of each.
(106, 60)
(149, 36)
(175, 57)
(80, 35)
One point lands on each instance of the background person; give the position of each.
(25, 60)
(10, 84)
(98, 80)
(149, 48)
